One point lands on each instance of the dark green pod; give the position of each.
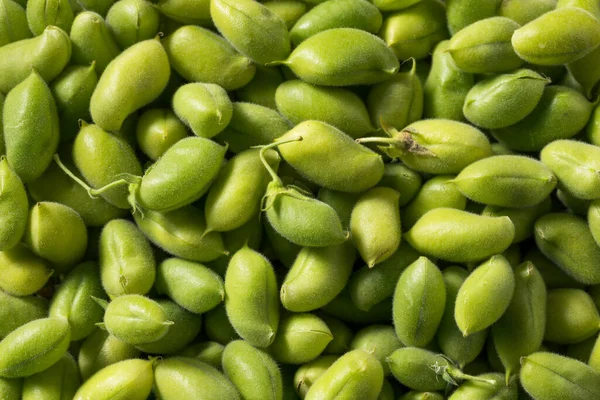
(217, 326)
(341, 202)
(403, 179)
(462, 13)
(14, 23)
(207, 352)
(522, 218)
(263, 86)
(17, 311)
(553, 276)
(92, 41)
(307, 374)
(59, 382)
(343, 308)
(572, 316)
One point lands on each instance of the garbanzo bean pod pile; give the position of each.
(340, 199)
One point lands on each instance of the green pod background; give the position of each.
(42, 13)
(208, 352)
(301, 337)
(289, 11)
(391, 5)
(261, 89)
(574, 317)
(132, 21)
(462, 13)
(22, 273)
(403, 179)
(11, 389)
(308, 373)
(17, 311)
(341, 202)
(17, 29)
(157, 130)
(522, 218)
(523, 12)
(60, 382)
(493, 386)
(379, 340)
(217, 326)
(345, 310)
(14, 207)
(342, 335)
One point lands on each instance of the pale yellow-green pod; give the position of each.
(14, 207)
(44, 13)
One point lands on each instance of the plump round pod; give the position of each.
(301, 337)
(217, 326)
(289, 11)
(99, 350)
(504, 99)
(251, 297)
(129, 379)
(462, 13)
(254, 373)
(342, 335)
(317, 276)
(487, 386)
(207, 352)
(354, 169)
(47, 54)
(41, 14)
(360, 58)
(522, 218)
(183, 377)
(92, 41)
(403, 179)
(56, 233)
(567, 241)
(127, 263)
(220, 63)
(17, 29)
(506, 181)
(551, 376)
(132, 21)
(379, 340)
(308, 373)
(17, 311)
(419, 301)
(186, 326)
(33, 347)
(261, 89)
(336, 14)
(414, 31)
(119, 93)
(544, 41)
(22, 273)
(299, 101)
(31, 127)
(485, 46)
(459, 236)
(520, 330)
(157, 130)
(59, 382)
(204, 107)
(572, 316)
(416, 368)
(191, 285)
(560, 114)
(356, 373)
(73, 300)
(14, 207)
(195, 12)
(484, 296)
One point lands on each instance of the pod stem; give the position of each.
(456, 373)
(378, 140)
(263, 150)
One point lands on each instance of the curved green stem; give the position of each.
(263, 150)
(458, 374)
(380, 140)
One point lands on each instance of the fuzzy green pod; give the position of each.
(33, 347)
(254, 373)
(14, 207)
(22, 273)
(460, 349)
(522, 218)
(560, 114)
(419, 301)
(392, 5)
(157, 130)
(584, 72)
(129, 379)
(416, 368)
(208, 352)
(336, 14)
(191, 285)
(543, 42)
(290, 11)
(217, 326)
(379, 340)
(375, 224)
(462, 13)
(127, 263)
(554, 277)
(301, 337)
(523, 11)
(571, 379)
(204, 107)
(263, 86)
(567, 241)
(357, 374)
(308, 373)
(402, 179)
(486, 386)
(398, 101)
(17, 29)
(47, 54)
(503, 100)
(342, 335)
(414, 31)
(11, 389)
(56, 233)
(132, 21)
(506, 181)
(354, 169)
(251, 297)
(253, 29)
(359, 58)
(119, 93)
(576, 166)
(17, 311)
(183, 377)
(435, 146)
(572, 316)
(520, 330)
(317, 276)
(73, 300)
(196, 12)
(222, 64)
(299, 101)
(42, 13)
(186, 326)
(437, 192)
(60, 382)
(31, 127)
(99, 350)
(446, 86)
(283, 250)
(484, 296)
(341, 202)
(136, 319)
(92, 41)
(485, 46)
(460, 236)
(593, 218)
(343, 308)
